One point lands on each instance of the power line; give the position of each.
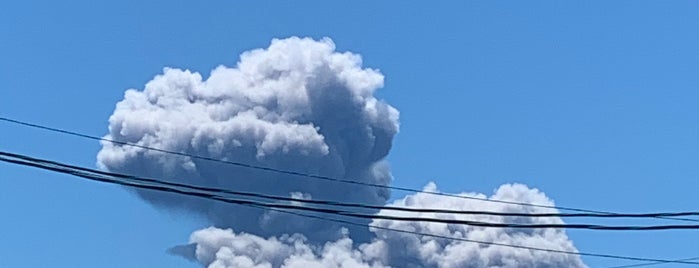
(652, 263)
(97, 177)
(299, 174)
(353, 205)
(112, 177)
(587, 254)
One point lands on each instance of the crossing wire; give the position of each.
(341, 204)
(264, 206)
(651, 263)
(318, 177)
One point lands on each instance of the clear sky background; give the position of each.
(594, 103)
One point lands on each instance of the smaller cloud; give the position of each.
(216, 248)
(221, 248)
(187, 251)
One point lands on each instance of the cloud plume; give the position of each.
(217, 248)
(299, 105)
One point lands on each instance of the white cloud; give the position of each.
(451, 253)
(299, 105)
(218, 248)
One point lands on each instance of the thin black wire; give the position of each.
(352, 205)
(686, 261)
(260, 206)
(111, 177)
(294, 173)
(652, 263)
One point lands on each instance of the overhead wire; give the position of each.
(112, 177)
(346, 204)
(587, 254)
(106, 179)
(319, 177)
(652, 263)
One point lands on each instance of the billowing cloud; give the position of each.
(301, 106)
(223, 248)
(297, 105)
(218, 248)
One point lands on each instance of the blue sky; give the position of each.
(594, 103)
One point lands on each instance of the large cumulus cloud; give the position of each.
(216, 248)
(297, 105)
(300, 105)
